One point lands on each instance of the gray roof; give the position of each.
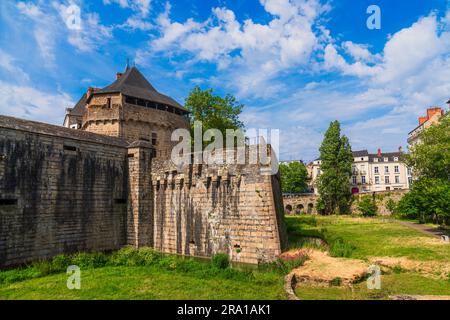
(80, 107)
(360, 153)
(389, 155)
(133, 83)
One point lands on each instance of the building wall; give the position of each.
(364, 175)
(65, 190)
(61, 191)
(202, 210)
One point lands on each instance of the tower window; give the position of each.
(154, 138)
(108, 102)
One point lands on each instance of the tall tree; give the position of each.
(214, 111)
(294, 177)
(336, 169)
(429, 197)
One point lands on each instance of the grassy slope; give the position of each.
(391, 284)
(142, 283)
(372, 237)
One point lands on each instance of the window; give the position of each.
(375, 159)
(108, 102)
(386, 179)
(354, 179)
(376, 170)
(396, 169)
(154, 138)
(409, 180)
(318, 172)
(363, 179)
(409, 171)
(386, 169)
(395, 159)
(386, 159)
(377, 180)
(397, 179)
(362, 159)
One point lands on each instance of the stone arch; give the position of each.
(288, 208)
(299, 208)
(310, 208)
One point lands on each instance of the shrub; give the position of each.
(367, 207)
(391, 205)
(340, 248)
(60, 262)
(220, 261)
(336, 282)
(89, 260)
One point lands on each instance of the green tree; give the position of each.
(336, 169)
(367, 206)
(431, 157)
(294, 177)
(429, 197)
(214, 111)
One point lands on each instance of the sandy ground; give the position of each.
(321, 268)
(433, 269)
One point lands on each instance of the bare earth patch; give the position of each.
(323, 269)
(433, 269)
(418, 297)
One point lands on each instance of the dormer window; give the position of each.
(386, 159)
(375, 159)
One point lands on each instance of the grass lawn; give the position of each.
(143, 283)
(363, 238)
(391, 284)
(370, 237)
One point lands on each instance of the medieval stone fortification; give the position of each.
(105, 181)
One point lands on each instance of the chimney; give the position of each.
(89, 92)
(118, 75)
(432, 111)
(422, 120)
(400, 149)
(379, 152)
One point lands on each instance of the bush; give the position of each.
(60, 262)
(220, 261)
(367, 207)
(89, 260)
(427, 201)
(340, 248)
(336, 282)
(391, 205)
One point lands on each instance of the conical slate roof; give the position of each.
(133, 83)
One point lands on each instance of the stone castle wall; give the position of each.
(306, 203)
(61, 191)
(202, 210)
(65, 190)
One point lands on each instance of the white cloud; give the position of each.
(258, 51)
(141, 6)
(9, 64)
(30, 103)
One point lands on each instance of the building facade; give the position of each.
(382, 171)
(432, 117)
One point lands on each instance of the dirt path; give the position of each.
(422, 228)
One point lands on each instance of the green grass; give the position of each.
(146, 274)
(145, 283)
(362, 238)
(391, 284)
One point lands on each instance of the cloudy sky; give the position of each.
(295, 64)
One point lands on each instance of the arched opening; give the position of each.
(310, 208)
(299, 209)
(288, 209)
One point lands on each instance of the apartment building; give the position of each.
(372, 172)
(433, 115)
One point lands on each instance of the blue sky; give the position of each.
(295, 64)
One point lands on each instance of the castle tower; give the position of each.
(132, 109)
